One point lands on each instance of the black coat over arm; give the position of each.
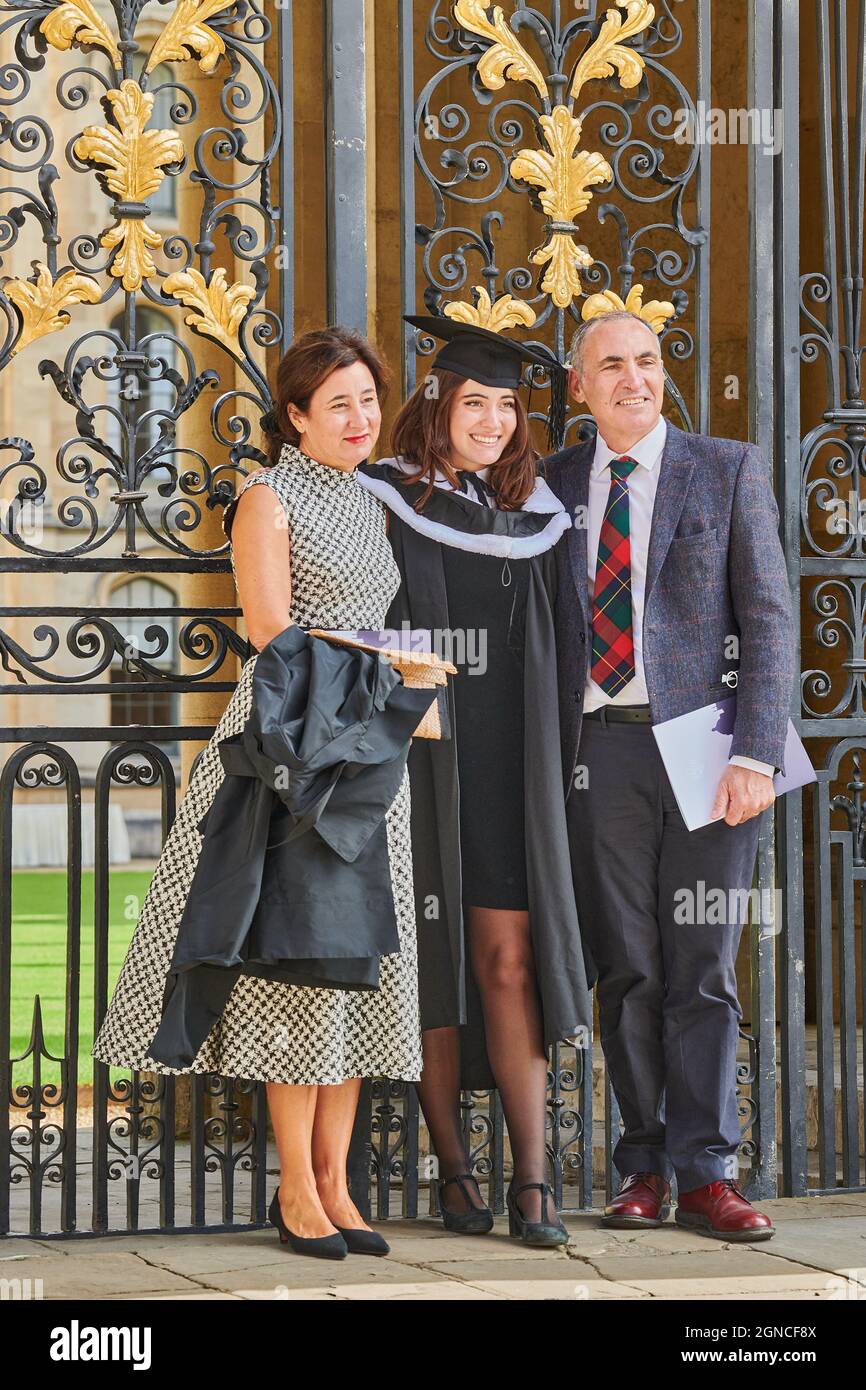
(293, 878)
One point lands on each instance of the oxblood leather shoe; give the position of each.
(643, 1200)
(719, 1209)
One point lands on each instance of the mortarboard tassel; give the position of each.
(556, 417)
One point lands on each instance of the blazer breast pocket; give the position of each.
(700, 538)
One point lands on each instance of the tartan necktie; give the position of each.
(612, 637)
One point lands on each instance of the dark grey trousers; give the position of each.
(667, 994)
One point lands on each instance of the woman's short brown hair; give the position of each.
(306, 363)
(421, 435)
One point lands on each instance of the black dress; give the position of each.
(487, 610)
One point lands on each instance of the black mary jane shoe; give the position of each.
(541, 1232)
(476, 1221)
(361, 1242)
(322, 1247)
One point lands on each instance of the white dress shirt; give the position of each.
(642, 485)
(440, 480)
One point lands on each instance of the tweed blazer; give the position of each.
(715, 571)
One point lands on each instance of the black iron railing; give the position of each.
(155, 440)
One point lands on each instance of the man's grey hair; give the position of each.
(575, 352)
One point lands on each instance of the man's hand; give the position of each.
(742, 794)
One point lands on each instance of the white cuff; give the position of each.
(753, 764)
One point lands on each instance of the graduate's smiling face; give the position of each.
(342, 422)
(482, 420)
(621, 378)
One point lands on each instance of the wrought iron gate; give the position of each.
(815, 299)
(169, 320)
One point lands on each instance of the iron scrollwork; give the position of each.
(537, 147)
(141, 458)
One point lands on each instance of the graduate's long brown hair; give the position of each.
(421, 435)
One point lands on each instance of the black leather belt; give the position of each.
(621, 714)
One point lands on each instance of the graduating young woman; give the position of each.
(501, 967)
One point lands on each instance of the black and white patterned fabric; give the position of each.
(343, 576)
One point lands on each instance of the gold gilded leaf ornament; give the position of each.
(42, 303)
(187, 33)
(76, 21)
(607, 54)
(133, 159)
(564, 178)
(506, 312)
(506, 58)
(133, 156)
(656, 313)
(218, 308)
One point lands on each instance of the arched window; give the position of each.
(164, 200)
(137, 393)
(153, 703)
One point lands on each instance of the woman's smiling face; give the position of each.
(483, 419)
(342, 422)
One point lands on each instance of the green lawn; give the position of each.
(39, 943)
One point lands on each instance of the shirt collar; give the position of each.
(541, 499)
(647, 451)
(479, 473)
(440, 480)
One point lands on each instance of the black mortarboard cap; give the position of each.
(480, 354)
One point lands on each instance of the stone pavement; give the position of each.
(819, 1252)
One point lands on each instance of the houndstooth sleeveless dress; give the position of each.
(343, 576)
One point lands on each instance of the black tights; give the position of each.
(502, 963)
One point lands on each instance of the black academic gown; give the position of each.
(293, 878)
(448, 993)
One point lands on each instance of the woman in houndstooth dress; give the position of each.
(342, 575)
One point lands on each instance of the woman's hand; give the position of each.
(260, 547)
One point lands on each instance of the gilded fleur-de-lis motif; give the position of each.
(133, 159)
(505, 312)
(218, 308)
(506, 58)
(607, 53)
(42, 302)
(187, 33)
(77, 21)
(656, 313)
(564, 177)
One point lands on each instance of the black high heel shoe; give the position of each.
(541, 1232)
(322, 1247)
(475, 1221)
(361, 1242)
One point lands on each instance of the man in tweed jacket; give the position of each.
(671, 580)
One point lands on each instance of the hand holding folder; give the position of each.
(696, 748)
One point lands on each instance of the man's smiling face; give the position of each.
(621, 378)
